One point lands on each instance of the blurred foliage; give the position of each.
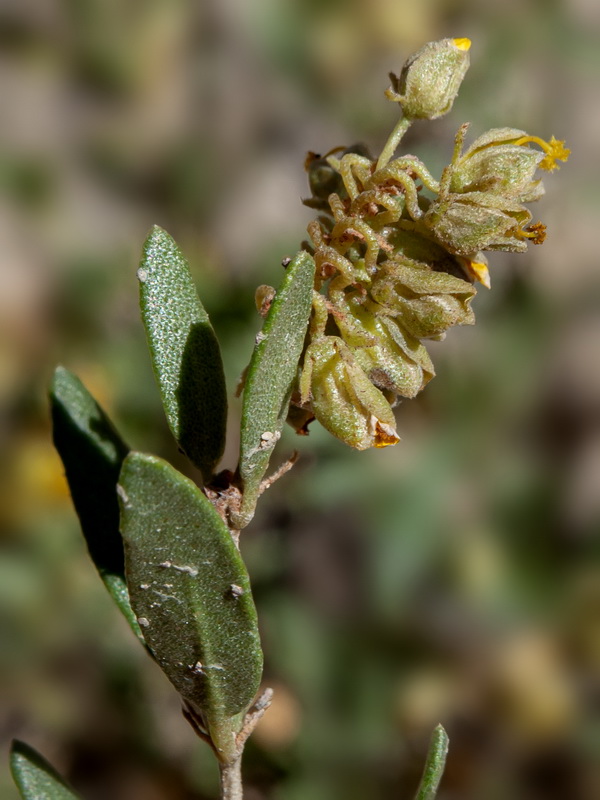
(453, 578)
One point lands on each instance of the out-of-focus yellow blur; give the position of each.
(453, 578)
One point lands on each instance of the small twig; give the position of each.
(285, 467)
(231, 771)
(253, 716)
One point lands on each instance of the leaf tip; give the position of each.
(135, 458)
(16, 746)
(134, 464)
(20, 750)
(440, 736)
(59, 376)
(157, 235)
(36, 778)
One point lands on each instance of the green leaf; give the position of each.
(434, 765)
(191, 592)
(270, 377)
(92, 453)
(36, 779)
(184, 350)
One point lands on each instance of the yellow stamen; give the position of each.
(555, 151)
(535, 232)
(462, 44)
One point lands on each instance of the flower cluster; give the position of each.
(397, 252)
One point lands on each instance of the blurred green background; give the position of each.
(454, 577)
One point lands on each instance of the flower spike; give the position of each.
(397, 252)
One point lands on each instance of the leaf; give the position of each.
(270, 377)
(191, 592)
(434, 765)
(36, 779)
(185, 352)
(92, 453)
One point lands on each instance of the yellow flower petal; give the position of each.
(479, 271)
(462, 44)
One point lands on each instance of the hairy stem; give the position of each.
(392, 143)
(231, 780)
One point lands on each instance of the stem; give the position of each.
(393, 141)
(231, 779)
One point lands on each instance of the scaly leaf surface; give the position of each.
(185, 352)
(270, 377)
(190, 590)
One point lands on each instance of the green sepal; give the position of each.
(343, 399)
(191, 592)
(271, 373)
(434, 765)
(185, 352)
(35, 778)
(92, 453)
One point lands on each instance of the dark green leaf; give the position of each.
(92, 453)
(184, 350)
(270, 377)
(434, 765)
(35, 778)
(191, 592)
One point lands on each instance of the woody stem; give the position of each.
(231, 779)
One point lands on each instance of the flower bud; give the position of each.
(344, 400)
(430, 79)
(396, 361)
(494, 163)
(476, 221)
(423, 302)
